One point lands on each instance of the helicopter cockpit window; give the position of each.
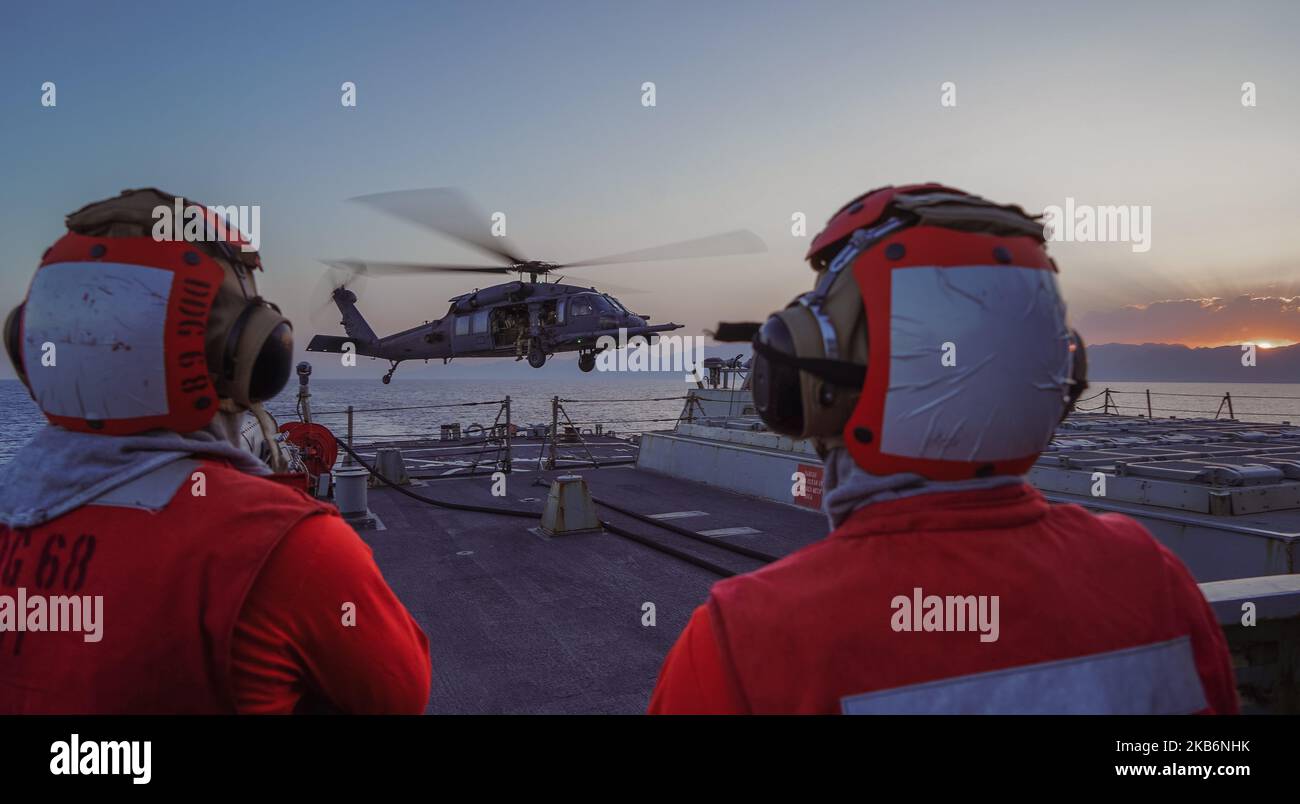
(589, 303)
(615, 303)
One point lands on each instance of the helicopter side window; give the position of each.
(559, 311)
(462, 325)
(581, 305)
(480, 322)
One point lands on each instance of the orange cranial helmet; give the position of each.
(935, 341)
(123, 332)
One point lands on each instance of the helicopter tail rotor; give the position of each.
(340, 286)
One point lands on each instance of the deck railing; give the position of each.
(1145, 406)
(493, 444)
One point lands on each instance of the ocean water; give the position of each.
(624, 406)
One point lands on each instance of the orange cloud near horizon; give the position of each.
(1268, 321)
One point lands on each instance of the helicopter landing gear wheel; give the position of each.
(587, 362)
(389, 376)
(536, 357)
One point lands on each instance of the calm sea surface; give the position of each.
(624, 406)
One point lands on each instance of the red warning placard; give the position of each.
(812, 485)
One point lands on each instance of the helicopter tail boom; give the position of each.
(360, 337)
(354, 324)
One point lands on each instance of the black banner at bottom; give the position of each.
(125, 754)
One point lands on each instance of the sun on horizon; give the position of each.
(1265, 344)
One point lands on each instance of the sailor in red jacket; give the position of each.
(154, 567)
(930, 366)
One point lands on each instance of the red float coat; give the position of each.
(1093, 616)
(233, 601)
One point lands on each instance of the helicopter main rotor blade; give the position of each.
(605, 287)
(403, 268)
(741, 241)
(341, 269)
(447, 211)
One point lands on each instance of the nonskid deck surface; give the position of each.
(521, 623)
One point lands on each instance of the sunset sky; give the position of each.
(764, 110)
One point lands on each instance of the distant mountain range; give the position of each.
(1171, 362)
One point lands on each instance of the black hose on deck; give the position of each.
(482, 509)
(690, 534)
(617, 531)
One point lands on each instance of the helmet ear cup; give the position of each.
(13, 340)
(775, 385)
(272, 368)
(257, 355)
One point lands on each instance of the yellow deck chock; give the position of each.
(569, 508)
(390, 463)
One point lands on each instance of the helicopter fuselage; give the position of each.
(515, 319)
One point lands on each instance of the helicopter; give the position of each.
(529, 319)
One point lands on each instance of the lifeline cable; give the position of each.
(617, 531)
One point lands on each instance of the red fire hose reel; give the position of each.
(315, 442)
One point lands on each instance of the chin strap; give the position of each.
(836, 372)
